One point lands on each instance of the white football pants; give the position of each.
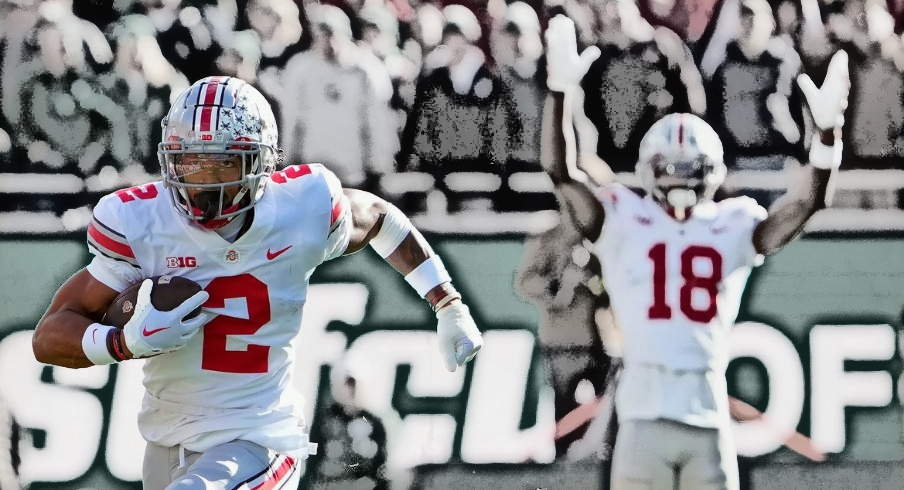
(668, 455)
(236, 465)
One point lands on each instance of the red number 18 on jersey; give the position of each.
(660, 310)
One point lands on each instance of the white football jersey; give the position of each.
(675, 289)
(233, 379)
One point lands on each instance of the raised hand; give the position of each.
(827, 103)
(566, 68)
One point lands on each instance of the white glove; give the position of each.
(151, 332)
(565, 67)
(459, 338)
(827, 103)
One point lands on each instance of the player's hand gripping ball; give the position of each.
(159, 314)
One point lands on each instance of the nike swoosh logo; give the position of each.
(148, 333)
(273, 255)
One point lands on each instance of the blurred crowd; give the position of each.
(434, 105)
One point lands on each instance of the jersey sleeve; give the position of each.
(340, 218)
(616, 199)
(750, 210)
(114, 263)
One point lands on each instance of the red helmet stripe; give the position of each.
(206, 116)
(212, 94)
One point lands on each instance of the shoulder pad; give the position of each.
(741, 206)
(106, 234)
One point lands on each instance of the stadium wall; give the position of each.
(817, 349)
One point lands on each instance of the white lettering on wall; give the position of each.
(786, 387)
(833, 388)
(71, 418)
(496, 401)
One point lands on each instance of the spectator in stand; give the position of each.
(464, 120)
(335, 105)
(875, 132)
(799, 24)
(419, 35)
(518, 51)
(559, 275)
(141, 82)
(380, 36)
(353, 439)
(241, 57)
(752, 102)
(63, 121)
(279, 28)
(15, 23)
(643, 74)
(184, 34)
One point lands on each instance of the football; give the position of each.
(168, 292)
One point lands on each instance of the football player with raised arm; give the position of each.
(219, 410)
(675, 264)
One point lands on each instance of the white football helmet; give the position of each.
(680, 161)
(219, 115)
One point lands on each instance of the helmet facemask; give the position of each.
(680, 162)
(216, 121)
(212, 207)
(683, 184)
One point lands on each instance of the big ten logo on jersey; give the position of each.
(181, 262)
(144, 191)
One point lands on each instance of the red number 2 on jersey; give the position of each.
(144, 191)
(214, 355)
(293, 172)
(660, 310)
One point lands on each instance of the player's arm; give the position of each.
(827, 104)
(790, 213)
(534, 276)
(556, 139)
(558, 149)
(70, 334)
(80, 302)
(387, 230)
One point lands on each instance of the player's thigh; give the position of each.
(641, 458)
(160, 464)
(713, 464)
(234, 465)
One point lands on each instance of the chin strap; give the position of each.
(209, 211)
(681, 200)
(213, 224)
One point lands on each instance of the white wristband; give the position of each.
(94, 344)
(428, 275)
(825, 157)
(396, 226)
